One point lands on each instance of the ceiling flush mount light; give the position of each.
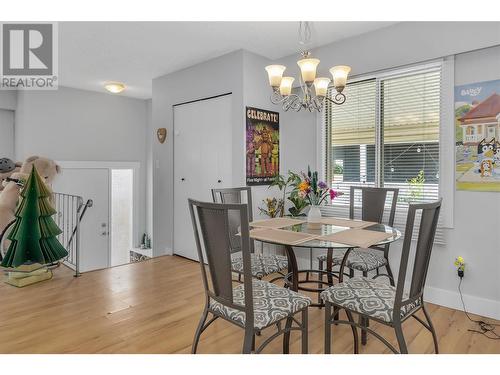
(114, 87)
(314, 89)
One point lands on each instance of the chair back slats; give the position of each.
(234, 196)
(374, 203)
(427, 231)
(429, 215)
(210, 224)
(213, 224)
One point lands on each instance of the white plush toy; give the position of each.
(8, 201)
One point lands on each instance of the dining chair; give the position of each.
(252, 305)
(262, 264)
(373, 203)
(387, 304)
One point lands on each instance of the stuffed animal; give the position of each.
(47, 168)
(7, 168)
(8, 200)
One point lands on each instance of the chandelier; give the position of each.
(313, 90)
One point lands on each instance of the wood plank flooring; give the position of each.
(154, 307)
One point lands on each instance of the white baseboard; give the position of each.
(476, 305)
(166, 251)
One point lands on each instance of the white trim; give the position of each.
(398, 72)
(320, 146)
(447, 142)
(481, 306)
(99, 164)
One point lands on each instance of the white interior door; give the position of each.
(91, 183)
(202, 161)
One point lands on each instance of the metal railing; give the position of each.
(70, 211)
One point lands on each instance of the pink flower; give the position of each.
(334, 194)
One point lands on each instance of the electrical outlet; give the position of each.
(460, 264)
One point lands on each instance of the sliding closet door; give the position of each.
(202, 161)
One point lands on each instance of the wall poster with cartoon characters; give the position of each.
(477, 132)
(262, 146)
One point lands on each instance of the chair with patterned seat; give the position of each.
(373, 203)
(253, 305)
(262, 264)
(387, 304)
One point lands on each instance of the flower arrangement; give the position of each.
(315, 191)
(301, 190)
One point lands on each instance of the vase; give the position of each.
(314, 214)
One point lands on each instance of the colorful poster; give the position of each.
(262, 146)
(477, 132)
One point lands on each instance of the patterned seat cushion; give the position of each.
(271, 303)
(368, 297)
(262, 265)
(361, 259)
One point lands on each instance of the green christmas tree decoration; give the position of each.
(34, 235)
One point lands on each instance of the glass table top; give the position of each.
(324, 229)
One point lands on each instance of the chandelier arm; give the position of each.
(277, 98)
(292, 102)
(338, 99)
(318, 104)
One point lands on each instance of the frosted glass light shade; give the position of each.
(286, 85)
(275, 72)
(114, 87)
(321, 86)
(308, 69)
(339, 74)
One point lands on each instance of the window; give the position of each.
(387, 134)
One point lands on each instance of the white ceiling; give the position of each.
(136, 52)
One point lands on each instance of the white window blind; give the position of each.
(386, 134)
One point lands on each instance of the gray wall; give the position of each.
(476, 234)
(6, 133)
(77, 125)
(241, 73)
(476, 215)
(297, 134)
(8, 99)
(402, 44)
(214, 77)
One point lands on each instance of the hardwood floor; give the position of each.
(154, 307)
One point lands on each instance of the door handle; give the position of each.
(219, 181)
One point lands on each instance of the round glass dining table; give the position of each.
(292, 280)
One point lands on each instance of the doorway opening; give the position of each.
(110, 230)
(122, 215)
